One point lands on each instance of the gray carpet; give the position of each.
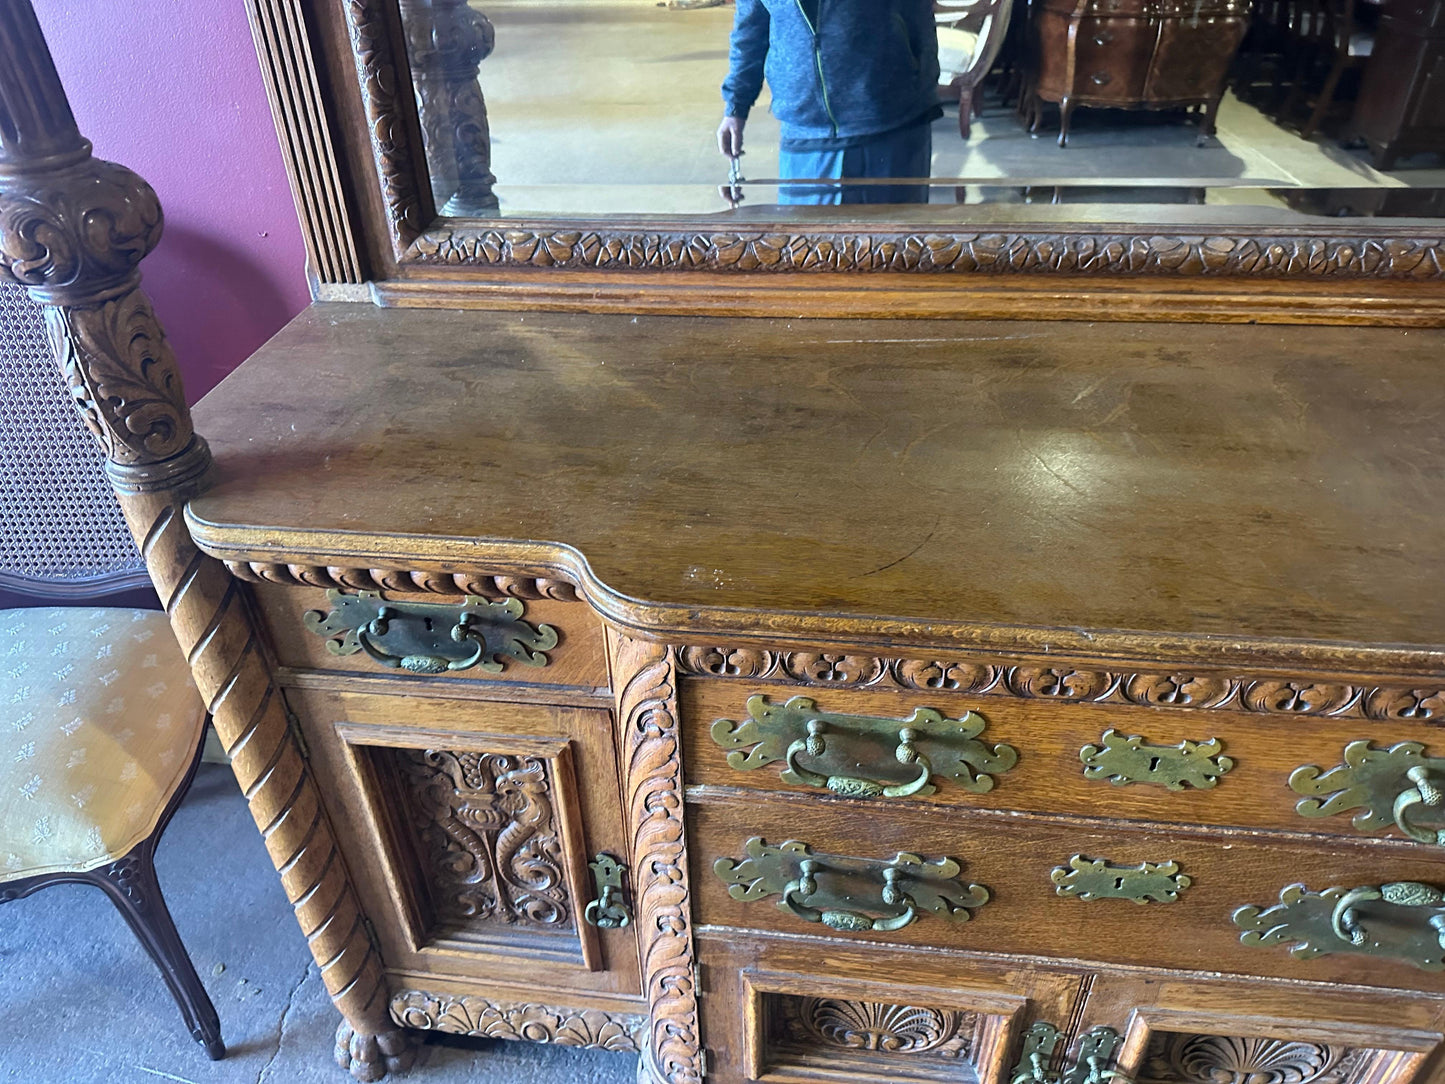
(80, 1001)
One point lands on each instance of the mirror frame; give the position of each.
(337, 75)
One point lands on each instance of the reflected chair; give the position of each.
(100, 726)
(970, 35)
(1330, 39)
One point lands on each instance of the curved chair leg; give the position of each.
(132, 886)
(965, 111)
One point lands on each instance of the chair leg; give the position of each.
(965, 112)
(1324, 101)
(132, 886)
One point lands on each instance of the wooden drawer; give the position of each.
(1262, 752)
(544, 641)
(1027, 893)
(783, 1009)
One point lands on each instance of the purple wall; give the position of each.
(172, 89)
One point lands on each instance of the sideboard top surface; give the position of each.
(1272, 483)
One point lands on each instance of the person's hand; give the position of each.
(730, 136)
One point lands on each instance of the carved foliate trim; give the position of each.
(400, 580)
(485, 1018)
(1012, 250)
(1201, 690)
(1227, 1059)
(391, 138)
(652, 788)
(487, 823)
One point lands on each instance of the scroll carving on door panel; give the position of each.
(1226, 1059)
(489, 840)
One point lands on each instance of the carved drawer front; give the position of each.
(782, 1010)
(950, 878)
(1257, 768)
(415, 636)
(1212, 1032)
(487, 839)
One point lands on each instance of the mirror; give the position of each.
(904, 110)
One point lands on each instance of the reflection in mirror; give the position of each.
(752, 108)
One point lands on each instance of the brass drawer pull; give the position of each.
(608, 911)
(1403, 920)
(926, 742)
(1100, 79)
(431, 637)
(825, 888)
(1122, 760)
(1388, 786)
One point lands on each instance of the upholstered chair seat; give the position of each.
(98, 722)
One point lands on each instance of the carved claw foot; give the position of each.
(370, 1057)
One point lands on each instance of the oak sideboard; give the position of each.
(661, 638)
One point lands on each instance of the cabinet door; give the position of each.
(1193, 57)
(469, 826)
(1198, 1030)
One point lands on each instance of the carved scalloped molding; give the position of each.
(1179, 688)
(388, 579)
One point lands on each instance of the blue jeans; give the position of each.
(906, 152)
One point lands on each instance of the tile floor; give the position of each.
(81, 1003)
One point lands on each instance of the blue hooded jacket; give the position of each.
(838, 69)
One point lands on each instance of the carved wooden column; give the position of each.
(446, 42)
(74, 230)
(651, 750)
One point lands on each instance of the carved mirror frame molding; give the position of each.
(339, 80)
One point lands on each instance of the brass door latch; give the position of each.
(1096, 1050)
(609, 910)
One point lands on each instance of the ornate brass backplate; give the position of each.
(862, 756)
(830, 888)
(1097, 1048)
(608, 911)
(432, 637)
(1403, 921)
(1096, 879)
(1398, 786)
(1123, 760)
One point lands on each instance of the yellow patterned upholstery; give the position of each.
(98, 724)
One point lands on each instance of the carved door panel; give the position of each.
(470, 826)
(1237, 1032)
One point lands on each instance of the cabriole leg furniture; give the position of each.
(811, 701)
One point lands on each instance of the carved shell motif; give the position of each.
(1219, 1059)
(893, 1029)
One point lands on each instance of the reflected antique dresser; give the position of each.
(611, 657)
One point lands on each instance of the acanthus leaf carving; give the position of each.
(486, 1018)
(1194, 690)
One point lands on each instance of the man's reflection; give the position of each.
(854, 85)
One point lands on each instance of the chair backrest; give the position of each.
(61, 531)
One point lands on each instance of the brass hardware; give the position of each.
(1399, 786)
(1096, 879)
(431, 637)
(1404, 920)
(820, 887)
(608, 911)
(911, 750)
(1123, 760)
(1096, 1049)
(1040, 1042)
(1103, 38)
(1101, 79)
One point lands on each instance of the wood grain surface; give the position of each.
(1243, 483)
